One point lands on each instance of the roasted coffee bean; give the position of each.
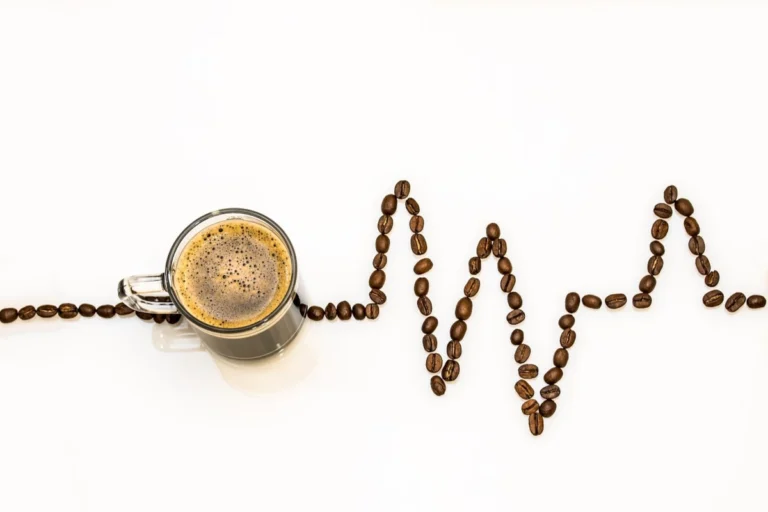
(713, 299)
(158, 318)
(315, 313)
(550, 392)
(302, 309)
(663, 211)
(412, 206)
(8, 315)
(484, 247)
(141, 315)
(567, 338)
(437, 385)
(493, 231)
(382, 244)
(712, 279)
(27, 312)
(385, 224)
(87, 310)
(616, 301)
(684, 207)
(330, 308)
(68, 310)
(642, 301)
(659, 229)
(647, 284)
(756, 301)
(536, 424)
(670, 194)
(572, 302)
(358, 311)
(458, 330)
(402, 189)
(499, 248)
(735, 302)
(592, 301)
(703, 265)
(463, 308)
(514, 300)
(434, 362)
(422, 266)
(47, 311)
(379, 261)
(418, 244)
(474, 265)
(121, 309)
(560, 359)
(472, 287)
(429, 342)
(416, 224)
(522, 353)
(517, 336)
(553, 375)
(691, 226)
(389, 204)
(344, 310)
(657, 248)
(655, 264)
(421, 286)
(454, 349)
(516, 317)
(547, 408)
(424, 304)
(696, 245)
(504, 265)
(429, 325)
(528, 371)
(173, 319)
(508, 282)
(377, 279)
(451, 370)
(530, 406)
(566, 321)
(376, 296)
(524, 390)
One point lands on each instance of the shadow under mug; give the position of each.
(155, 294)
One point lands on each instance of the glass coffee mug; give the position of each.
(157, 294)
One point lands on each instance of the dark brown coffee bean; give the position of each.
(344, 310)
(670, 194)
(553, 375)
(514, 300)
(493, 231)
(416, 224)
(429, 325)
(463, 308)
(616, 301)
(474, 265)
(454, 349)
(376, 296)
(696, 245)
(642, 301)
(434, 362)
(121, 309)
(550, 392)
(402, 189)
(684, 207)
(472, 287)
(524, 390)
(377, 279)
(422, 266)
(315, 313)
(712, 279)
(566, 321)
(173, 319)
(451, 370)
(437, 385)
(530, 406)
(458, 330)
(379, 261)
(735, 302)
(47, 311)
(8, 315)
(516, 317)
(691, 226)
(68, 310)
(647, 284)
(499, 248)
(655, 264)
(528, 371)
(158, 318)
(713, 299)
(484, 247)
(536, 424)
(547, 408)
(517, 336)
(421, 286)
(330, 309)
(27, 312)
(560, 359)
(663, 211)
(567, 338)
(382, 244)
(424, 304)
(385, 224)
(659, 229)
(389, 204)
(418, 244)
(429, 342)
(756, 301)
(504, 265)
(572, 302)
(657, 248)
(412, 206)
(358, 311)
(522, 353)
(303, 309)
(703, 265)
(508, 283)
(141, 315)
(592, 301)
(87, 310)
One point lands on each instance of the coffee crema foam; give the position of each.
(233, 274)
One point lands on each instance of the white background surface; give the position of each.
(122, 122)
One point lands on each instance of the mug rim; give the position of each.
(274, 314)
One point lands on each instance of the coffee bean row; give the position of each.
(69, 311)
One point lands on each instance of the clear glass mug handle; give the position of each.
(146, 293)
